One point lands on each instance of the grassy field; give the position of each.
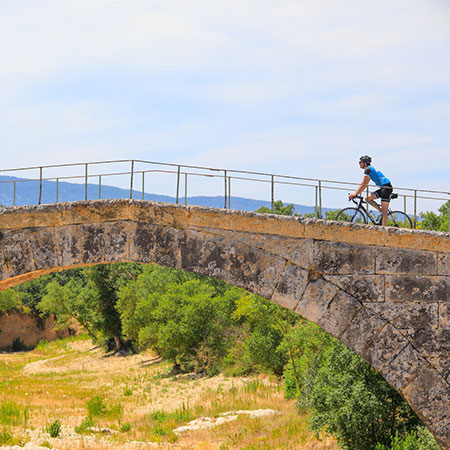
(92, 400)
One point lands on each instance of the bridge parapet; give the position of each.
(383, 292)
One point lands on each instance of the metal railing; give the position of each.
(184, 173)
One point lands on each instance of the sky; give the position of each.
(300, 87)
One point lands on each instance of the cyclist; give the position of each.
(384, 193)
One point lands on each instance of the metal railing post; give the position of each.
(225, 188)
(99, 187)
(273, 191)
(14, 195)
(320, 199)
(143, 184)
(85, 181)
(316, 201)
(404, 204)
(178, 183)
(367, 196)
(57, 190)
(185, 188)
(229, 192)
(131, 178)
(40, 185)
(415, 208)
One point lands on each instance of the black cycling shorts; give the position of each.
(384, 192)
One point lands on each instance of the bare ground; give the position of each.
(56, 384)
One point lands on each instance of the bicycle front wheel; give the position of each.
(399, 219)
(353, 215)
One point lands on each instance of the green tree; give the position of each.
(90, 299)
(103, 283)
(187, 319)
(432, 221)
(278, 208)
(68, 302)
(9, 299)
(419, 439)
(305, 343)
(351, 401)
(267, 345)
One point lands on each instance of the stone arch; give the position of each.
(362, 285)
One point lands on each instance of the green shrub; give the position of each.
(127, 392)
(10, 413)
(115, 411)
(96, 407)
(54, 429)
(84, 426)
(6, 437)
(159, 416)
(18, 345)
(125, 427)
(419, 439)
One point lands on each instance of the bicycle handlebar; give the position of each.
(359, 197)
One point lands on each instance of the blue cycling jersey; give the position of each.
(376, 176)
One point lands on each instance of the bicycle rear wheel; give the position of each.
(399, 219)
(353, 215)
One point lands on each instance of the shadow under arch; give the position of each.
(348, 279)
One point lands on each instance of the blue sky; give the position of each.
(298, 87)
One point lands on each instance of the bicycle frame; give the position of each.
(361, 207)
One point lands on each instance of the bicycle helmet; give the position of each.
(366, 159)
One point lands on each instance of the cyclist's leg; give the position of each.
(370, 199)
(384, 207)
(385, 196)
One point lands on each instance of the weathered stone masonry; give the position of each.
(383, 292)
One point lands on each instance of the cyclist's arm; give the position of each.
(362, 187)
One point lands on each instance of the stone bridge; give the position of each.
(383, 292)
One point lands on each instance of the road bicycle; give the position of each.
(361, 214)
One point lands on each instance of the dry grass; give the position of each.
(138, 404)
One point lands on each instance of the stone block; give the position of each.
(339, 313)
(89, 240)
(408, 288)
(315, 300)
(365, 288)
(142, 242)
(429, 396)
(116, 241)
(296, 250)
(363, 328)
(386, 345)
(394, 260)
(408, 315)
(233, 262)
(168, 247)
(291, 286)
(44, 248)
(442, 364)
(404, 367)
(443, 263)
(444, 315)
(69, 253)
(430, 342)
(342, 258)
(16, 253)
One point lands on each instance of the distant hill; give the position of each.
(27, 193)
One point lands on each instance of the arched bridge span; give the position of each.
(383, 292)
